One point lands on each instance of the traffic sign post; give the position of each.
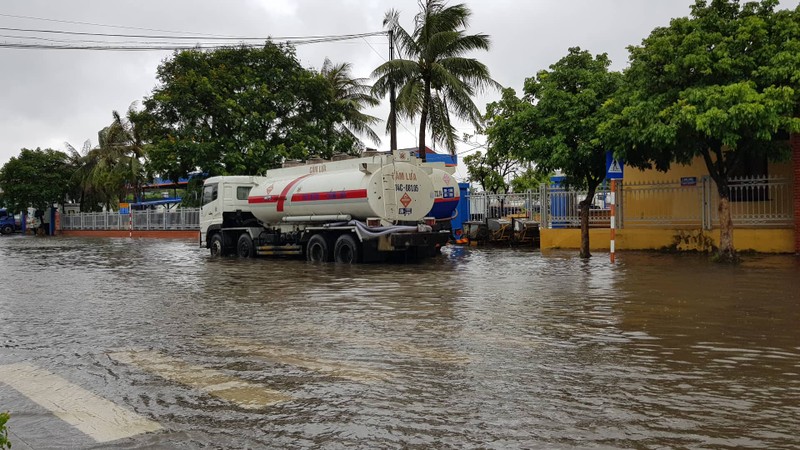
(614, 168)
(613, 218)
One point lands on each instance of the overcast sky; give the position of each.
(49, 97)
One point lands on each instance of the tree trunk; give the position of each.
(423, 117)
(423, 121)
(727, 252)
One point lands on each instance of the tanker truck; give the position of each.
(368, 209)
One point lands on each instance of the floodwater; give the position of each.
(481, 348)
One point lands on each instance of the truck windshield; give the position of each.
(209, 193)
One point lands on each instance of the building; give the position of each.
(678, 210)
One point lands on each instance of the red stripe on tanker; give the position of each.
(332, 195)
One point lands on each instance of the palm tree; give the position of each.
(434, 78)
(352, 95)
(122, 153)
(87, 178)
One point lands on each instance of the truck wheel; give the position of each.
(245, 248)
(7, 229)
(217, 246)
(317, 249)
(346, 250)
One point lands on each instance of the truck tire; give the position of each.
(317, 249)
(217, 245)
(245, 248)
(346, 250)
(7, 229)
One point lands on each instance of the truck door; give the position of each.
(210, 212)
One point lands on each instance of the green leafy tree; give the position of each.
(528, 179)
(351, 96)
(555, 125)
(237, 111)
(434, 79)
(489, 170)
(36, 178)
(4, 442)
(722, 84)
(501, 161)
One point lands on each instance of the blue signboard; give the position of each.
(613, 167)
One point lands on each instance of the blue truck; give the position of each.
(8, 224)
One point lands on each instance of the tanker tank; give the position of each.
(394, 192)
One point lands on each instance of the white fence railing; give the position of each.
(176, 219)
(526, 205)
(688, 203)
(754, 202)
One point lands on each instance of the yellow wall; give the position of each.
(696, 169)
(760, 240)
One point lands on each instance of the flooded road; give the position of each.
(118, 343)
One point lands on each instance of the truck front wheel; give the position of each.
(346, 250)
(217, 246)
(7, 229)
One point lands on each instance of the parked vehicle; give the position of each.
(8, 223)
(367, 209)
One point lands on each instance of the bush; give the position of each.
(4, 442)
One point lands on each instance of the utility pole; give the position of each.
(392, 99)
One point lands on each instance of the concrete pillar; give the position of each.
(795, 142)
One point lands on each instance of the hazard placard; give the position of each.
(405, 200)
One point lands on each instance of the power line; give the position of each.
(226, 38)
(74, 22)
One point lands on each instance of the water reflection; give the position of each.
(480, 348)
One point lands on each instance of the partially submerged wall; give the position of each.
(781, 240)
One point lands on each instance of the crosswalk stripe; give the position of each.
(294, 358)
(214, 382)
(95, 416)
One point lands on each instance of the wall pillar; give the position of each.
(795, 142)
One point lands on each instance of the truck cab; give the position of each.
(223, 195)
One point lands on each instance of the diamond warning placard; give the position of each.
(405, 200)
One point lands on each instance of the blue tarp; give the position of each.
(153, 203)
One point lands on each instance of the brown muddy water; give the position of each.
(118, 343)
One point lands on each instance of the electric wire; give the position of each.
(75, 22)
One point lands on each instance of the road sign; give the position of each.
(613, 167)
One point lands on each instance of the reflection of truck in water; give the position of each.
(8, 223)
(365, 209)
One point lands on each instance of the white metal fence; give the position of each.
(754, 202)
(687, 203)
(484, 206)
(176, 219)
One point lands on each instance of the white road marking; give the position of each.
(214, 382)
(97, 417)
(294, 358)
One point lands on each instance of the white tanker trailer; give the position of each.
(365, 209)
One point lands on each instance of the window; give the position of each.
(209, 193)
(242, 192)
